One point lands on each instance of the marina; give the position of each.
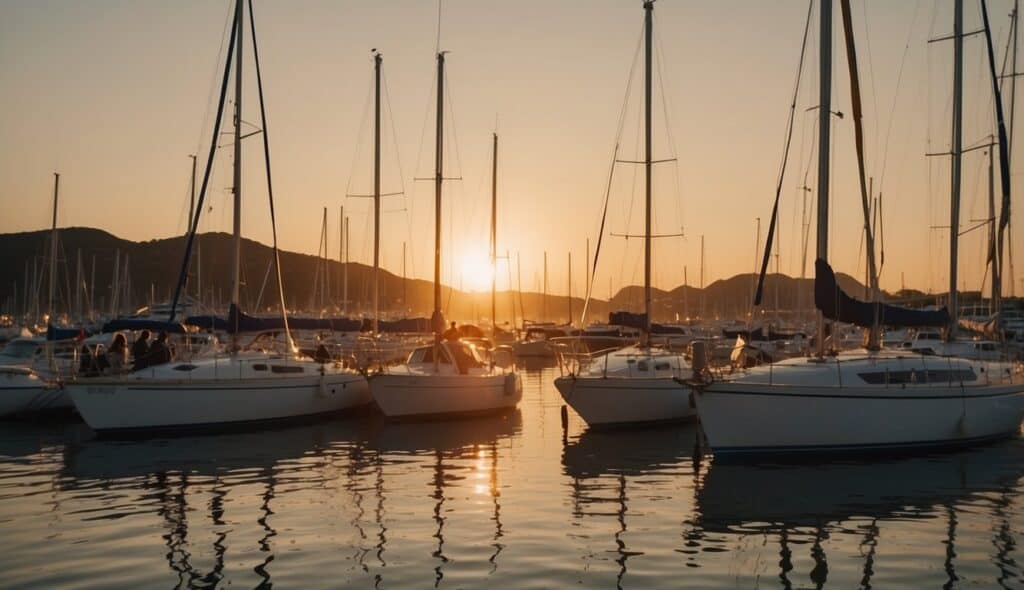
(431, 400)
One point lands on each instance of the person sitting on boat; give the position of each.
(101, 362)
(140, 351)
(117, 355)
(451, 334)
(160, 352)
(86, 361)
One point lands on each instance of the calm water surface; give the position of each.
(502, 502)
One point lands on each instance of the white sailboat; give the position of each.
(30, 368)
(640, 383)
(864, 400)
(448, 377)
(247, 385)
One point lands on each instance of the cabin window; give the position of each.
(185, 367)
(662, 367)
(259, 367)
(285, 369)
(912, 376)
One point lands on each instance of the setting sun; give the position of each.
(474, 271)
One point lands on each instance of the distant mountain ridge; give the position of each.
(154, 266)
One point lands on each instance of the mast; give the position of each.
(78, 284)
(192, 193)
(92, 289)
(438, 319)
(494, 238)
(992, 241)
(871, 268)
(53, 250)
(570, 288)
(702, 277)
(825, 128)
(236, 189)
(648, 78)
(377, 59)
(1009, 144)
(341, 242)
(955, 169)
(544, 295)
(344, 297)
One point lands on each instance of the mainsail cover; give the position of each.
(836, 305)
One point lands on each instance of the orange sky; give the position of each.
(115, 96)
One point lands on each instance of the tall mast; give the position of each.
(993, 255)
(192, 194)
(955, 170)
(236, 260)
(702, 277)
(377, 59)
(570, 288)
(345, 269)
(1009, 146)
(438, 319)
(78, 284)
(871, 269)
(494, 238)
(544, 295)
(648, 78)
(53, 250)
(825, 128)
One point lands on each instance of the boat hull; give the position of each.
(23, 392)
(133, 406)
(607, 401)
(750, 419)
(412, 395)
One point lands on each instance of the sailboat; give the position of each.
(31, 367)
(640, 383)
(250, 384)
(864, 400)
(448, 377)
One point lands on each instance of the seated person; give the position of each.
(86, 361)
(140, 351)
(159, 352)
(101, 361)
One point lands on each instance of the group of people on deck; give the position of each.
(115, 359)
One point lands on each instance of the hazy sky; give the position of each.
(115, 95)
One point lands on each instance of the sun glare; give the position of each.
(475, 271)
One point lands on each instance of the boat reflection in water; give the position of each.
(462, 457)
(889, 510)
(218, 497)
(609, 468)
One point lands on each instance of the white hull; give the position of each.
(615, 400)
(423, 394)
(159, 401)
(740, 418)
(23, 392)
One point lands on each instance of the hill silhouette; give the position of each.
(153, 268)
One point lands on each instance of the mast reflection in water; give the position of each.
(499, 501)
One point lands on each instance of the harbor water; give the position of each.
(502, 502)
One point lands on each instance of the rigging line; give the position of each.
(785, 157)
(398, 159)
(892, 111)
(186, 259)
(213, 77)
(673, 153)
(359, 134)
(871, 72)
(270, 185)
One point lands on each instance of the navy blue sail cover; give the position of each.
(836, 305)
